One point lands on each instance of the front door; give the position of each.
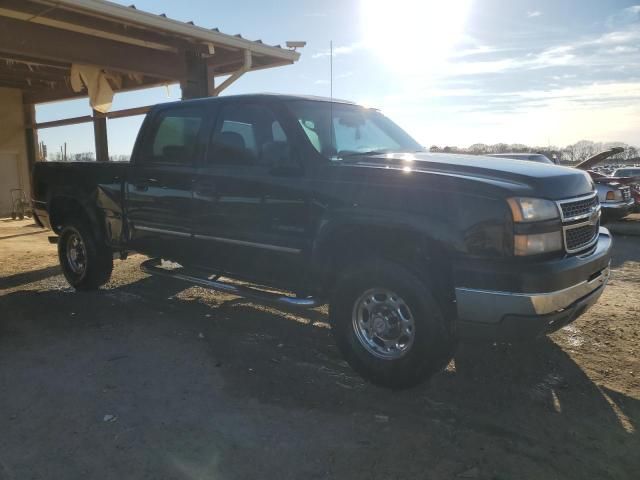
(159, 187)
(251, 217)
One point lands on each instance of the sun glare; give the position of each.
(414, 35)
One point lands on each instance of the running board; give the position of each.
(153, 267)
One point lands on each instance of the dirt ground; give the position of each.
(150, 378)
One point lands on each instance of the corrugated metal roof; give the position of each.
(161, 22)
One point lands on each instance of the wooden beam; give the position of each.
(65, 93)
(7, 57)
(48, 43)
(127, 112)
(20, 70)
(62, 123)
(32, 81)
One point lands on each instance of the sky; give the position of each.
(454, 72)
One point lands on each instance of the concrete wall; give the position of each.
(14, 169)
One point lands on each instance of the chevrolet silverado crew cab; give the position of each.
(329, 202)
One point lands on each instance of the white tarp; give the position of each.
(94, 79)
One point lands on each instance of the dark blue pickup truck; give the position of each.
(330, 202)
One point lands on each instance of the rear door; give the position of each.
(159, 195)
(251, 216)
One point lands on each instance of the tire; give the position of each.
(398, 302)
(93, 263)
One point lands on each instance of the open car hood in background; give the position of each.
(596, 159)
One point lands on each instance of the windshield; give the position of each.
(626, 172)
(340, 130)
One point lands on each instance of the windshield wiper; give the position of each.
(360, 154)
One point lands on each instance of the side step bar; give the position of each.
(153, 267)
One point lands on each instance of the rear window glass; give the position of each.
(175, 136)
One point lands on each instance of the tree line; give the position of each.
(570, 154)
(83, 157)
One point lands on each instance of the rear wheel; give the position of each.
(389, 327)
(86, 263)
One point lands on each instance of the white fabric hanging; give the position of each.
(95, 81)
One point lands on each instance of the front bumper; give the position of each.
(512, 315)
(614, 210)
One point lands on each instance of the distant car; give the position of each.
(618, 195)
(627, 172)
(530, 157)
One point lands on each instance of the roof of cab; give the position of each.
(256, 96)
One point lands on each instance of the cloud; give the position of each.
(605, 111)
(625, 16)
(534, 13)
(612, 49)
(340, 50)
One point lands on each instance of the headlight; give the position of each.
(613, 195)
(532, 209)
(537, 243)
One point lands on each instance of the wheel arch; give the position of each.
(63, 207)
(345, 245)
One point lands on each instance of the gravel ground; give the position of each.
(150, 378)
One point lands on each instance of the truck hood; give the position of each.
(599, 157)
(539, 179)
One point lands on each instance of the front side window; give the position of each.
(248, 135)
(175, 136)
(339, 130)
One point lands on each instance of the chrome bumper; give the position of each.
(621, 205)
(488, 306)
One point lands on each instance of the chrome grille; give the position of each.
(580, 222)
(581, 208)
(580, 237)
(626, 193)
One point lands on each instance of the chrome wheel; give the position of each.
(383, 323)
(76, 253)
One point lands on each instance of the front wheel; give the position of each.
(86, 263)
(389, 327)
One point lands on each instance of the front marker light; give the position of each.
(537, 243)
(614, 195)
(532, 209)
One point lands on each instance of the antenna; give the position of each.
(331, 134)
(331, 69)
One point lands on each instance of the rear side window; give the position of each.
(174, 136)
(249, 135)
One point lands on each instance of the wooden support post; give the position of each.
(31, 135)
(195, 84)
(101, 137)
(211, 84)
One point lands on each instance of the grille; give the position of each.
(580, 237)
(579, 208)
(626, 193)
